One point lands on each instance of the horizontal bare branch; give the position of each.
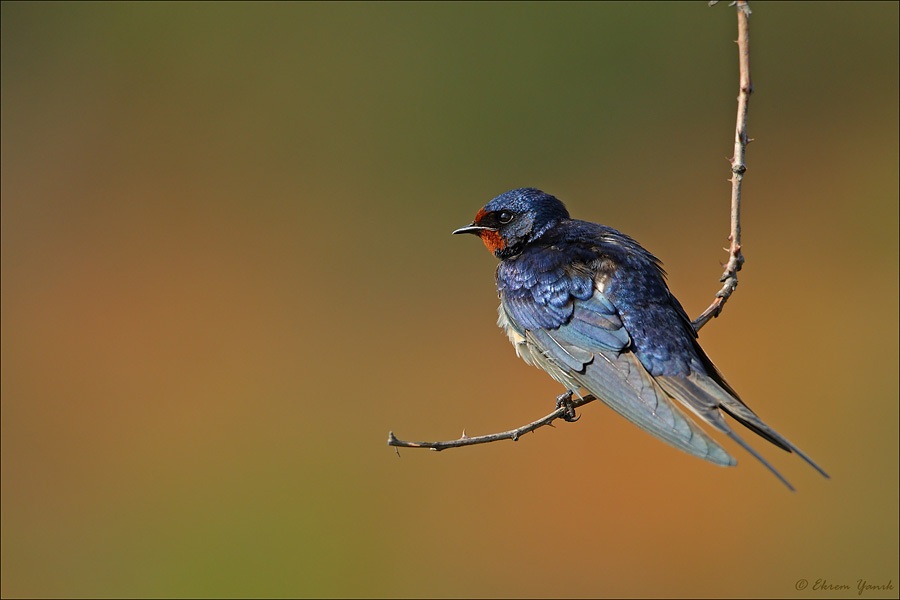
(512, 434)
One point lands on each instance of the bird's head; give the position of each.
(514, 219)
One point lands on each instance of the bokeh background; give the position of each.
(227, 273)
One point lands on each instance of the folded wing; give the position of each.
(593, 349)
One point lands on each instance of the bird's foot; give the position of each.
(565, 400)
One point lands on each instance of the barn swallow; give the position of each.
(591, 307)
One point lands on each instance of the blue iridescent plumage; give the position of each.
(591, 307)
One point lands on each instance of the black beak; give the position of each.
(473, 228)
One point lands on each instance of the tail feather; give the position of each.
(740, 441)
(705, 397)
(751, 421)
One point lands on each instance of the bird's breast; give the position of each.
(516, 338)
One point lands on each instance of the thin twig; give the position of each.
(738, 168)
(512, 434)
(729, 277)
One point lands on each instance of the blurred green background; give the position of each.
(228, 273)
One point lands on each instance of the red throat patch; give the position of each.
(493, 241)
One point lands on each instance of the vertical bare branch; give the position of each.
(738, 168)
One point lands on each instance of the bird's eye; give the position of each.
(505, 217)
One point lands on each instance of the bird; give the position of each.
(591, 307)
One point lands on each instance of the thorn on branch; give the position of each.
(742, 5)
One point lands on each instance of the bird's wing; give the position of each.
(594, 348)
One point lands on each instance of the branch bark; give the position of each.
(729, 277)
(512, 434)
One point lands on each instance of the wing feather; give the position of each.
(620, 380)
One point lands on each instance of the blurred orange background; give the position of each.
(228, 273)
